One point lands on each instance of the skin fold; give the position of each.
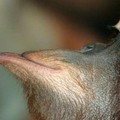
(70, 85)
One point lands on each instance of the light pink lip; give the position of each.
(9, 57)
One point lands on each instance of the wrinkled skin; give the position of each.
(70, 85)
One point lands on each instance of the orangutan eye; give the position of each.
(90, 47)
(93, 48)
(87, 48)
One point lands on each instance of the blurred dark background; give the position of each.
(49, 24)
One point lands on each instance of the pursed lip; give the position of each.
(8, 57)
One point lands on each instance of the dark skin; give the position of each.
(70, 85)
